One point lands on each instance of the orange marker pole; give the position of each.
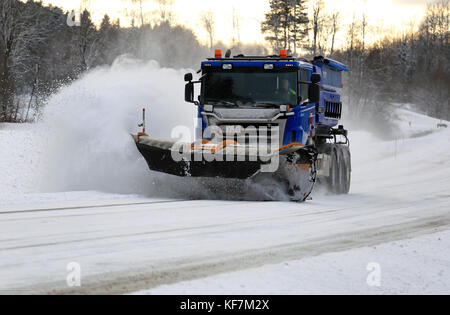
(143, 120)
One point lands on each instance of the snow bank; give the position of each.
(413, 124)
(19, 158)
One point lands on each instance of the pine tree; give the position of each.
(105, 41)
(9, 24)
(85, 39)
(286, 25)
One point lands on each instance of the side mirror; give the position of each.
(314, 93)
(188, 77)
(189, 92)
(316, 78)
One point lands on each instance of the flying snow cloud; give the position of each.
(88, 125)
(86, 142)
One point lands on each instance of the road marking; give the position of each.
(91, 207)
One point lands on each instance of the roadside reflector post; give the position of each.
(143, 120)
(311, 127)
(140, 134)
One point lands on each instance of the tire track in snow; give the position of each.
(191, 269)
(88, 207)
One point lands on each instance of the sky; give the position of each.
(384, 15)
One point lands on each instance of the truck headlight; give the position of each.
(285, 108)
(209, 108)
(227, 66)
(268, 66)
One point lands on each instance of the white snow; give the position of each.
(88, 126)
(80, 171)
(19, 158)
(20, 161)
(417, 266)
(414, 124)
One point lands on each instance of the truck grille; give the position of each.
(258, 134)
(333, 110)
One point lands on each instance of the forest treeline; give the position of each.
(409, 67)
(43, 47)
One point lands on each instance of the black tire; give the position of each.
(333, 178)
(347, 165)
(343, 171)
(292, 180)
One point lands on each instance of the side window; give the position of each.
(326, 75)
(338, 79)
(332, 77)
(303, 86)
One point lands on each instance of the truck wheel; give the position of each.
(294, 179)
(341, 172)
(299, 172)
(347, 170)
(333, 179)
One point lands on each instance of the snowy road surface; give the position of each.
(414, 266)
(127, 244)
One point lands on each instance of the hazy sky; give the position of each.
(384, 14)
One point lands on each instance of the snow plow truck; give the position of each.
(262, 117)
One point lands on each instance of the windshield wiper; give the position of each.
(265, 104)
(224, 103)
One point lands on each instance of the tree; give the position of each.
(316, 23)
(25, 28)
(351, 39)
(165, 10)
(335, 19)
(107, 40)
(434, 59)
(85, 39)
(136, 12)
(286, 24)
(9, 22)
(364, 25)
(141, 10)
(299, 24)
(208, 23)
(236, 40)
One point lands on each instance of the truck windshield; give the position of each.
(250, 88)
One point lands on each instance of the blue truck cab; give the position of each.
(249, 90)
(329, 109)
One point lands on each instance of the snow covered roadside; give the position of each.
(400, 191)
(19, 156)
(413, 124)
(417, 266)
(20, 162)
